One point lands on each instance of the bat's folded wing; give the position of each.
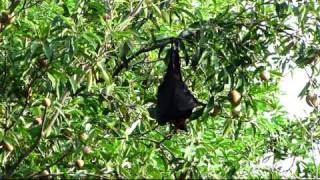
(183, 98)
(164, 103)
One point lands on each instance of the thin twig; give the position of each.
(52, 164)
(26, 102)
(144, 133)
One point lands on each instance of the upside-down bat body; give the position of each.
(174, 101)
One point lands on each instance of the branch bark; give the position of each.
(158, 44)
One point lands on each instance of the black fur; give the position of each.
(174, 101)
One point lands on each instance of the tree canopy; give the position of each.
(79, 80)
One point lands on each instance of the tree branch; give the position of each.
(158, 44)
(27, 91)
(48, 129)
(65, 154)
(12, 168)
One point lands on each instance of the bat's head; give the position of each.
(180, 124)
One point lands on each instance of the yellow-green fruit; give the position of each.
(37, 120)
(47, 102)
(87, 150)
(312, 100)
(8, 147)
(84, 136)
(234, 97)
(79, 163)
(236, 111)
(264, 75)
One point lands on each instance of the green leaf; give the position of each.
(228, 125)
(89, 80)
(130, 129)
(105, 75)
(52, 80)
(47, 50)
(73, 84)
(157, 10)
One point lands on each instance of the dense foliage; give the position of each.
(78, 83)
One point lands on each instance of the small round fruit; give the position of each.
(79, 163)
(11, 19)
(43, 63)
(8, 147)
(84, 136)
(107, 45)
(68, 116)
(4, 18)
(264, 75)
(236, 111)
(47, 102)
(312, 100)
(67, 133)
(45, 173)
(216, 110)
(234, 97)
(37, 120)
(107, 17)
(87, 150)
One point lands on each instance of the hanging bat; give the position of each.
(174, 101)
